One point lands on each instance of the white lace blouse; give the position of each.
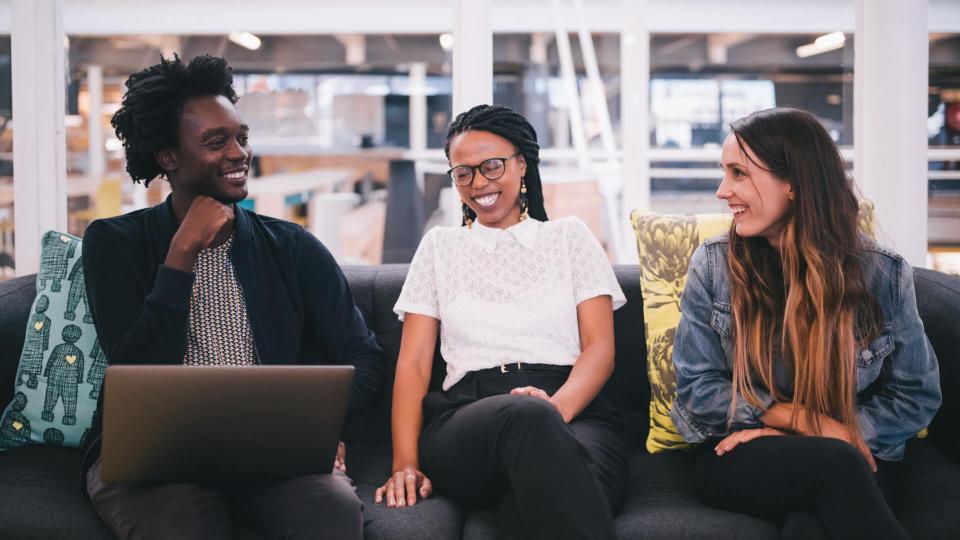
(507, 295)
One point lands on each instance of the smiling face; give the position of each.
(759, 200)
(496, 202)
(214, 154)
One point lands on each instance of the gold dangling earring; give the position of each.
(524, 210)
(466, 216)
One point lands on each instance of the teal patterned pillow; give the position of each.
(62, 364)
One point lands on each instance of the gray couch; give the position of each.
(40, 496)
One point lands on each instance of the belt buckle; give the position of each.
(503, 367)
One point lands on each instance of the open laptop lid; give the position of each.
(221, 424)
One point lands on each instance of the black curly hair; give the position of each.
(512, 126)
(152, 106)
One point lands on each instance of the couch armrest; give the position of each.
(16, 297)
(938, 300)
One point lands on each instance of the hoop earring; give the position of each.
(524, 210)
(466, 216)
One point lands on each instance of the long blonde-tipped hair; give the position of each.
(811, 294)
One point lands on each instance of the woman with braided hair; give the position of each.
(524, 310)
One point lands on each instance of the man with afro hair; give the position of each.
(197, 280)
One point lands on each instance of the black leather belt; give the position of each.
(521, 366)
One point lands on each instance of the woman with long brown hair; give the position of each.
(801, 361)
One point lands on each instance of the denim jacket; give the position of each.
(898, 381)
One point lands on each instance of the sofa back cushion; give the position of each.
(375, 290)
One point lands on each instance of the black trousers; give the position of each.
(816, 487)
(315, 506)
(485, 448)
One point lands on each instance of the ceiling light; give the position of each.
(824, 43)
(833, 40)
(446, 41)
(245, 40)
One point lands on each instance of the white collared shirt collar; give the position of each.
(525, 232)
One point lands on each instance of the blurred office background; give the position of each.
(349, 101)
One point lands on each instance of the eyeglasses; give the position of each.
(491, 169)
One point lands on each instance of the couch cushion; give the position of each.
(61, 367)
(928, 493)
(662, 504)
(665, 244)
(375, 290)
(435, 518)
(40, 496)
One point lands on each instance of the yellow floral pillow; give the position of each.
(665, 244)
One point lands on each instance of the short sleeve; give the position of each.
(592, 274)
(419, 293)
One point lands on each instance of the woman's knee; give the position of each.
(531, 412)
(837, 456)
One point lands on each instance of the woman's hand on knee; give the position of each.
(403, 487)
(531, 391)
(740, 437)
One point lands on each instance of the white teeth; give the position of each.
(487, 200)
(239, 175)
(738, 209)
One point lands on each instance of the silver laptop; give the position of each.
(221, 424)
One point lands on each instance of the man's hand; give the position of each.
(200, 227)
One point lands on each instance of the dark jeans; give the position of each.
(483, 447)
(817, 487)
(315, 506)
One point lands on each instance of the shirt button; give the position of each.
(867, 354)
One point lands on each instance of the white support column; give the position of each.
(634, 117)
(95, 151)
(472, 69)
(598, 92)
(418, 106)
(535, 89)
(39, 144)
(355, 47)
(539, 48)
(472, 55)
(572, 92)
(889, 114)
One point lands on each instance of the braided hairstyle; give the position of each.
(152, 107)
(512, 126)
